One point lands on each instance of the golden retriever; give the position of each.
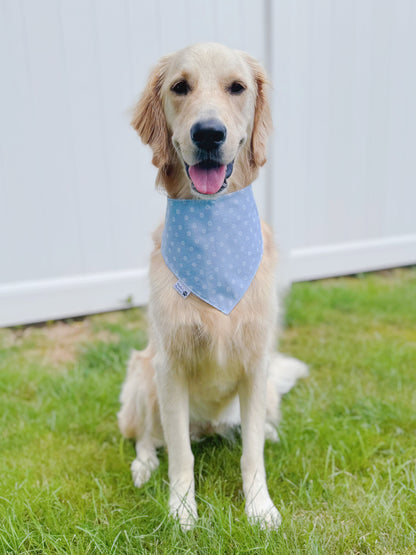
(206, 116)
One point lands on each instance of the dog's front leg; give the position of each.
(173, 397)
(252, 393)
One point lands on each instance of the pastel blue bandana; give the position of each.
(213, 246)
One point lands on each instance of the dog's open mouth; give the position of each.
(209, 177)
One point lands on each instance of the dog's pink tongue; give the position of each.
(207, 181)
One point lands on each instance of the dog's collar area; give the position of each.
(214, 245)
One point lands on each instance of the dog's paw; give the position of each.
(270, 433)
(142, 468)
(184, 511)
(264, 515)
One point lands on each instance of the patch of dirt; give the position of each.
(132, 319)
(7, 338)
(62, 341)
(58, 343)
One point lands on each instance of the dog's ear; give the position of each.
(149, 118)
(262, 125)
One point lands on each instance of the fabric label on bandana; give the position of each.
(182, 289)
(213, 246)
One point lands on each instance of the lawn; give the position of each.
(343, 475)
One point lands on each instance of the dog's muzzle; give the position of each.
(209, 175)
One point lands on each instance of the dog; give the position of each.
(207, 368)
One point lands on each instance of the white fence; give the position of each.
(77, 203)
(345, 148)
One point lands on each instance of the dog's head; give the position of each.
(205, 114)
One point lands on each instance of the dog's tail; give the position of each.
(285, 371)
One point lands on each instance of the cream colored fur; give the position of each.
(203, 371)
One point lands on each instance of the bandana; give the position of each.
(213, 246)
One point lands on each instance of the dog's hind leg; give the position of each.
(284, 371)
(139, 415)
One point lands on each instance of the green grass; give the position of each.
(343, 475)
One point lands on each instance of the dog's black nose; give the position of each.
(209, 134)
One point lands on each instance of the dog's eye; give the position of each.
(181, 87)
(236, 88)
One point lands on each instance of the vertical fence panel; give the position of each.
(345, 127)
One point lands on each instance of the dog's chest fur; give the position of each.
(208, 347)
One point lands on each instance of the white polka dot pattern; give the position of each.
(214, 246)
